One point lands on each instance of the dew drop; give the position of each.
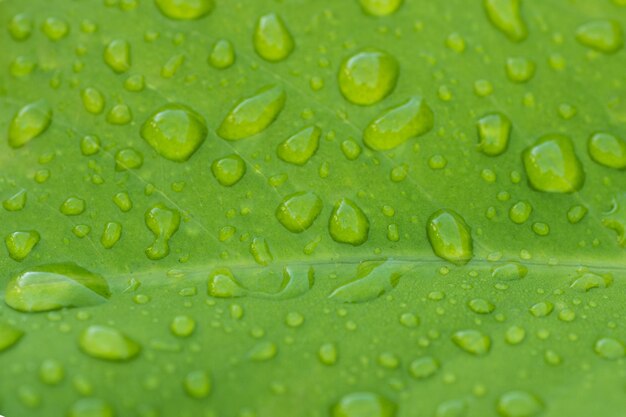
(450, 237)
(509, 271)
(16, 202)
(222, 54)
(602, 35)
(21, 243)
(481, 306)
(519, 69)
(552, 166)
(348, 223)
(423, 367)
(229, 170)
(300, 147)
(397, 125)
(380, 7)
(184, 9)
(494, 131)
(108, 343)
(119, 114)
(117, 55)
(51, 372)
(175, 132)
(518, 404)
(93, 100)
(222, 284)
(111, 234)
(364, 404)
(252, 115)
(20, 26)
(589, 281)
(91, 407)
(55, 29)
(515, 335)
(472, 341)
(608, 150)
(542, 309)
(9, 335)
(197, 384)
(373, 279)
(163, 222)
(328, 354)
(128, 158)
(260, 250)
(368, 76)
(272, 40)
(506, 16)
(520, 212)
(55, 286)
(576, 213)
(29, 122)
(298, 211)
(609, 348)
(351, 149)
(263, 351)
(122, 201)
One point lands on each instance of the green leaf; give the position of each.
(356, 208)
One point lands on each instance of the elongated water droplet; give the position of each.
(520, 212)
(380, 7)
(260, 250)
(348, 223)
(608, 150)
(229, 169)
(93, 100)
(472, 341)
(518, 404)
(30, 121)
(602, 35)
(609, 348)
(368, 76)
(222, 284)
(9, 335)
(222, 54)
(252, 115)
(175, 132)
(552, 166)
(450, 237)
(494, 131)
(117, 55)
(163, 222)
(55, 286)
(589, 281)
(300, 147)
(21, 243)
(184, 9)
(373, 279)
(298, 211)
(364, 404)
(509, 271)
(272, 40)
(423, 367)
(108, 343)
(506, 16)
(399, 124)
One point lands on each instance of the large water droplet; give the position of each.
(608, 150)
(272, 40)
(380, 7)
(108, 343)
(298, 211)
(494, 131)
(367, 77)
(184, 9)
(602, 35)
(21, 26)
(9, 335)
(222, 284)
(229, 169)
(364, 404)
(348, 223)
(506, 16)
(117, 55)
(518, 404)
(472, 341)
(21, 243)
(175, 132)
(450, 237)
(609, 348)
(300, 147)
(55, 286)
(373, 279)
(552, 166)
(163, 222)
(589, 281)
(399, 124)
(252, 115)
(29, 122)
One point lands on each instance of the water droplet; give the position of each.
(609, 348)
(518, 404)
(117, 55)
(455, 42)
(519, 69)
(163, 222)
(260, 250)
(541, 229)
(350, 149)
(294, 319)
(252, 115)
(348, 223)
(55, 29)
(515, 335)
(222, 54)
(364, 404)
(122, 201)
(602, 35)
(184, 9)
(128, 158)
(608, 150)
(541, 309)
(29, 122)
(272, 40)
(108, 343)
(576, 213)
(73, 206)
(229, 169)
(520, 212)
(9, 335)
(472, 341)
(552, 166)
(16, 202)
(452, 408)
(91, 407)
(135, 83)
(450, 237)
(373, 279)
(509, 271)
(21, 243)
(119, 114)
(506, 16)
(175, 132)
(423, 367)
(222, 284)
(55, 286)
(21, 26)
(197, 384)
(51, 372)
(298, 211)
(111, 234)
(327, 354)
(171, 67)
(93, 100)
(262, 352)
(398, 124)
(89, 145)
(183, 326)
(481, 306)
(300, 147)
(494, 131)
(368, 76)
(590, 280)
(380, 7)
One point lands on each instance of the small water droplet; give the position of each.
(260, 250)
(51, 372)
(373, 279)
(520, 212)
(609, 348)
(252, 115)
(576, 213)
(398, 124)
(21, 243)
(515, 335)
(380, 7)
(506, 16)
(494, 131)
(368, 76)
(602, 35)
(55, 29)
(222, 54)
(472, 341)
(119, 114)
(608, 150)
(520, 69)
(298, 211)
(518, 404)
(128, 158)
(122, 201)
(423, 367)
(590, 280)
(197, 384)
(21, 26)
(9, 335)
(509, 271)
(111, 234)
(117, 55)
(272, 40)
(542, 309)
(16, 202)
(163, 222)
(222, 284)
(263, 351)
(300, 147)
(450, 237)
(364, 404)
(108, 343)
(348, 223)
(350, 149)
(91, 407)
(328, 354)
(229, 170)
(29, 122)
(184, 9)
(93, 100)
(481, 306)
(175, 132)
